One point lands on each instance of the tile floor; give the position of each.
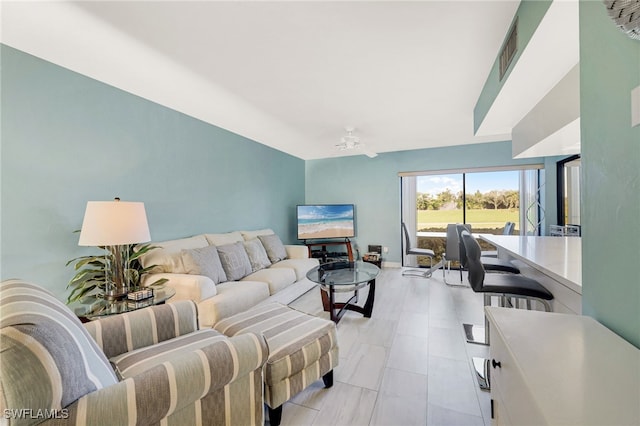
(407, 365)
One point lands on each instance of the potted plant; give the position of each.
(91, 274)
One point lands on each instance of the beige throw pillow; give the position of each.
(235, 261)
(204, 261)
(257, 255)
(274, 247)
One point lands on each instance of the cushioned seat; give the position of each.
(132, 363)
(302, 349)
(516, 284)
(276, 278)
(300, 266)
(231, 298)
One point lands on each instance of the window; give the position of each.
(491, 200)
(569, 191)
(439, 201)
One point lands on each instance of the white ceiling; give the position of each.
(289, 74)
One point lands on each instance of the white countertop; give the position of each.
(558, 257)
(577, 371)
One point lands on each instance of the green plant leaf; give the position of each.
(91, 275)
(159, 282)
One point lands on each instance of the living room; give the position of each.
(68, 138)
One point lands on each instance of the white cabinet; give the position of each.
(560, 369)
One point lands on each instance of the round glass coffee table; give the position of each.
(339, 277)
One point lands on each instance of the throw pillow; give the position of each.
(274, 247)
(235, 261)
(257, 255)
(204, 261)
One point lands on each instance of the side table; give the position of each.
(378, 262)
(92, 307)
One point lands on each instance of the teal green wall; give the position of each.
(373, 185)
(529, 15)
(67, 139)
(609, 70)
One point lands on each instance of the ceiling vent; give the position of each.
(509, 49)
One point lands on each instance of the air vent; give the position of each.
(509, 50)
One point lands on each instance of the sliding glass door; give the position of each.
(484, 198)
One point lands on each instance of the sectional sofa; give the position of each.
(228, 273)
(241, 282)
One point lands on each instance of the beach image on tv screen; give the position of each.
(325, 221)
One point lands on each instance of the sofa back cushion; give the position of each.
(235, 260)
(223, 239)
(250, 235)
(48, 359)
(204, 261)
(168, 256)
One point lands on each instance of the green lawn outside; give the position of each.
(437, 220)
(488, 221)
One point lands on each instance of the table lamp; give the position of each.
(114, 225)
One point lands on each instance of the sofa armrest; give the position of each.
(297, 251)
(195, 378)
(117, 334)
(187, 286)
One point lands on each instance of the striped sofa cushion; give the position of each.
(117, 334)
(135, 362)
(295, 339)
(48, 359)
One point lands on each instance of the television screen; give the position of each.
(326, 221)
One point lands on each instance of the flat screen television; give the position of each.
(319, 221)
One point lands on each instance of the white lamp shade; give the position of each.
(113, 223)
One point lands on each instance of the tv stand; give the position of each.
(324, 254)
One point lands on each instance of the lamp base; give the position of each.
(117, 294)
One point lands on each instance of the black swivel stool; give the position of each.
(490, 264)
(507, 287)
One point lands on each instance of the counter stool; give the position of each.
(302, 349)
(490, 264)
(507, 287)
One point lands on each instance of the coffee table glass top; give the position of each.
(343, 273)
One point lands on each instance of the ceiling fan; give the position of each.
(352, 142)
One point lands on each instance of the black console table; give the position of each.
(326, 254)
